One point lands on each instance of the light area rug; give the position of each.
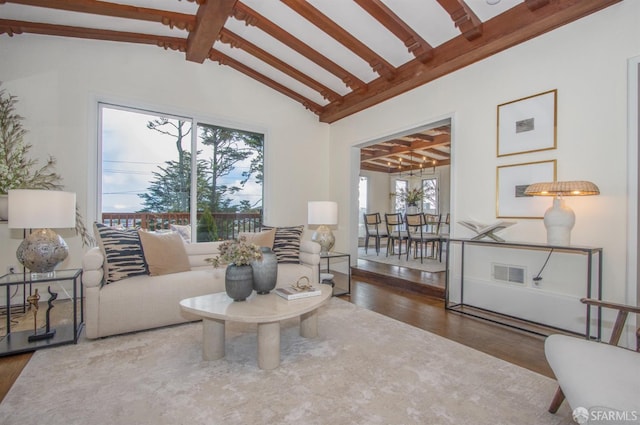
(363, 368)
(427, 265)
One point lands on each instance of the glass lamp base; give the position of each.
(42, 250)
(325, 238)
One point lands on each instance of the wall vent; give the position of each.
(510, 274)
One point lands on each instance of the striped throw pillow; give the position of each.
(122, 252)
(286, 244)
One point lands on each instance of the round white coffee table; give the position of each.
(265, 310)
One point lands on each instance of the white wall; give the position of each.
(378, 191)
(586, 61)
(58, 82)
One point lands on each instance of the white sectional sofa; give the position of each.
(144, 302)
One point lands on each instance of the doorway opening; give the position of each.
(407, 172)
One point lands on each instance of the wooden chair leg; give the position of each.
(558, 398)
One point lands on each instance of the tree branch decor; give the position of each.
(18, 170)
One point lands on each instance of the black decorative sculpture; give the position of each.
(48, 332)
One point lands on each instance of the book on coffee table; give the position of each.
(293, 294)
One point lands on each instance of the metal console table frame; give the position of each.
(589, 251)
(17, 342)
(328, 258)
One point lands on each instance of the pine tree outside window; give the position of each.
(147, 160)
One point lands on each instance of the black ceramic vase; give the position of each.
(238, 281)
(265, 271)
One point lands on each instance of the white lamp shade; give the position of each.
(322, 212)
(40, 209)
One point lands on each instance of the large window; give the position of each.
(430, 199)
(147, 177)
(402, 186)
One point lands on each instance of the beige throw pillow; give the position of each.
(164, 252)
(264, 238)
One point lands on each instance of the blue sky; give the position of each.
(131, 152)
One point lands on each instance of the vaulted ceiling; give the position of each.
(335, 57)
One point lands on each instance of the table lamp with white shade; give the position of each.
(559, 218)
(323, 214)
(40, 210)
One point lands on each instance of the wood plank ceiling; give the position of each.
(412, 154)
(335, 57)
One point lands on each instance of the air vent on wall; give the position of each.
(511, 274)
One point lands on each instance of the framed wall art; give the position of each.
(511, 182)
(528, 124)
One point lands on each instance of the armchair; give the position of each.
(593, 374)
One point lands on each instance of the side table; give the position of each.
(331, 256)
(18, 287)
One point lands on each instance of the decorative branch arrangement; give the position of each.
(17, 170)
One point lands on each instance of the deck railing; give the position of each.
(227, 225)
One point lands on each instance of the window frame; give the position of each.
(195, 120)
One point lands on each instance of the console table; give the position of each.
(18, 287)
(592, 289)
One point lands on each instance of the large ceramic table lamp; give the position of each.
(559, 218)
(323, 214)
(40, 210)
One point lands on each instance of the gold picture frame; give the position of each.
(528, 124)
(512, 180)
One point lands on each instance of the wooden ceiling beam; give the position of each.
(322, 21)
(373, 167)
(182, 21)
(244, 13)
(399, 142)
(536, 4)
(393, 169)
(421, 136)
(210, 19)
(371, 151)
(18, 27)
(416, 163)
(405, 150)
(235, 40)
(415, 44)
(506, 30)
(433, 153)
(223, 59)
(463, 18)
(425, 141)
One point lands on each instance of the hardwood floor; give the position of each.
(406, 303)
(428, 313)
(10, 368)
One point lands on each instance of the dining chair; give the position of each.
(372, 226)
(395, 231)
(418, 237)
(432, 225)
(443, 231)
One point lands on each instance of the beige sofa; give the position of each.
(144, 302)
